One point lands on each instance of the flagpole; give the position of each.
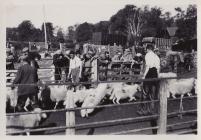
(45, 27)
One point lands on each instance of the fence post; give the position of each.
(70, 115)
(97, 71)
(163, 107)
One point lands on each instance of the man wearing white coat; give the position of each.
(75, 68)
(152, 69)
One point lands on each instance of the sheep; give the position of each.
(25, 121)
(57, 93)
(181, 87)
(79, 96)
(126, 91)
(12, 96)
(94, 98)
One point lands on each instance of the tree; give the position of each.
(37, 35)
(135, 23)
(60, 36)
(84, 32)
(12, 34)
(118, 22)
(25, 30)
(70, 34)
(49, 31)
(102, 26)
(186, 22)
(153, 22)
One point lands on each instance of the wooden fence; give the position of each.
(70, 109)
(70, 113)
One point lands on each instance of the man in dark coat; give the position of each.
(9, 60)
(104, 62)
(59, 62)
(27, 76)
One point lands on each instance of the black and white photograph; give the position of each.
(101, 67)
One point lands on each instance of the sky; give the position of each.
(70, 12)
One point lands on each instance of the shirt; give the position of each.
(152, 60)
(75, 62)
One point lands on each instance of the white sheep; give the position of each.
(12, 97)
(181, 87)
(79, 96)
(125, 91)
(94, 98)
(25, 121)
(57, 94)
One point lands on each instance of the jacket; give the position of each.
(26, 74)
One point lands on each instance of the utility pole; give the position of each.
(44, 24)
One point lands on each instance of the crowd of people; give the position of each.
(77, 67)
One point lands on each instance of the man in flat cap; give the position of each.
(27, 77)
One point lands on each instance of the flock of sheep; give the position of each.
(95, 96)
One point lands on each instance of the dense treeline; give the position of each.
(131, 21)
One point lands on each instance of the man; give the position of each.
(27, 76)
(104, 61)
(117, 57)
(87, 67)
(152, 69)
(9, 59)
(14, 53)
(75, 68)
(117, 65)
(32, 56)
(138, 63)
(58, 61)
(127, 56)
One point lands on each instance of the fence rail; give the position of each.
(107, 123)
(70, 109)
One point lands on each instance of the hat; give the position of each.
(67, 52)
(58, 52)
(138, 54)
(150, 47)
(72, 52)
(26, 49)
(119, 53)
(156, 49)
(90, 52)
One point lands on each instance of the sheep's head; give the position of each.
(139, 88)
(40, 115)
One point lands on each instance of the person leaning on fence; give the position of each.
(138, 63)
(66, 64)
(117, 57)
(104, 61)
(152, 68)
(58, 61)
(27, 76)
(9, 59)
(87, 68)
(75, 68)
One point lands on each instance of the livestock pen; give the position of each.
(113, 119)
(71, 125)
